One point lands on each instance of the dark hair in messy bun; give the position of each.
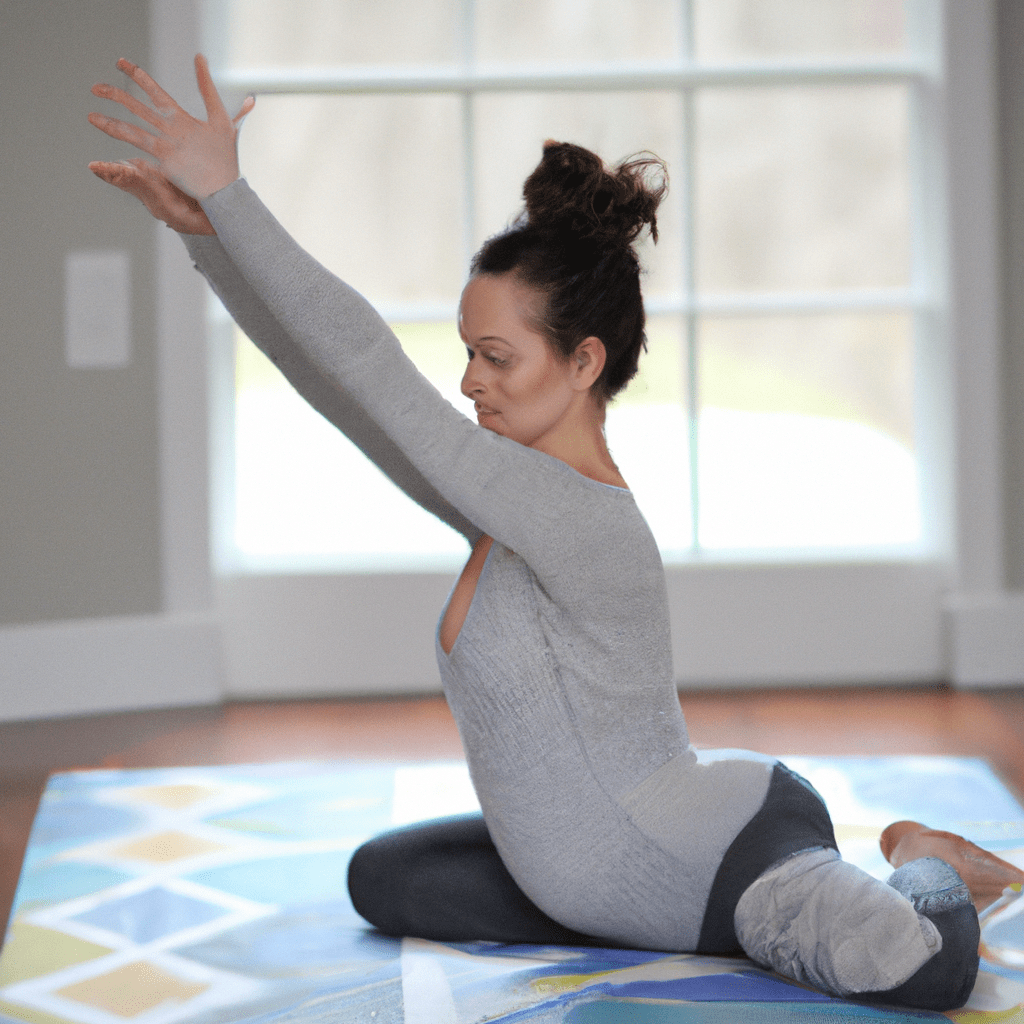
(574, 243)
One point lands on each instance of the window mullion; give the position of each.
(469, 178)
(640, 78)
(468, 54)
(690, 363)
(692, 369)
(929, 282)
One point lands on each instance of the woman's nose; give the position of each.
(471, 385)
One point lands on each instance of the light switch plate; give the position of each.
(97, 320)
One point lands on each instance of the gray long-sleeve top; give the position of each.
(560, 679)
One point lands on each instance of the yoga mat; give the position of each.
(215, 895)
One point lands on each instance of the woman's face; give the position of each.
(520, 387)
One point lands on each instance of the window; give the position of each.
(775, 412)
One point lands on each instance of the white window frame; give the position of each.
(734, 622)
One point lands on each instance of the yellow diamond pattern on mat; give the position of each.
(132, 990)
(31, 951)
(173, 796)
(167, 846)
(566, 982)
(29, 1015)
(1014, 1016)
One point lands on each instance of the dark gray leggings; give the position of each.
(444, 880)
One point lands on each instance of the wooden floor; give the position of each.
(856, 721)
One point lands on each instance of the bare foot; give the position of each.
(985, 874)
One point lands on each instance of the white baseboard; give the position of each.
(986, 639)
(732, 625)
(331, 635)
(829, 624)
(310, 636)
(98, 665)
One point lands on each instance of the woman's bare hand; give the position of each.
(199, 157)
(164, 200)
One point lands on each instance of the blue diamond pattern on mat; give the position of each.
(585, 959)
(313, 940)
(64, 880)
(300, 878)
(63, 822)
(744, 986)
(151, 914)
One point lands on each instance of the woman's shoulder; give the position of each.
(611, 537)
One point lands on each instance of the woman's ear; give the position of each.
(588, 362)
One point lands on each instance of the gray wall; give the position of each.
(1011, 90)
(79, 504)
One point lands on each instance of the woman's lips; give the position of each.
(485, 416)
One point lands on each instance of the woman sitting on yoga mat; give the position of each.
(601, 823)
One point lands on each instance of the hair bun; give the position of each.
(571, 191)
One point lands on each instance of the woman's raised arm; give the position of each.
(199, 157)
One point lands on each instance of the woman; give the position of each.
(600, 822)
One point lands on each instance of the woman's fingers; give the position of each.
(163, 101)
(137, 177)
(130, 133)
(129, 102)
(113, 173)
(247, 104)
(215, 109)
(199, 157)
(141, 179)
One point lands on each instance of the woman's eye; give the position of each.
(489, 356)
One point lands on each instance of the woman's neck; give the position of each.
(580, 443)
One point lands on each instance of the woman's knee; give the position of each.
(445, 881)
(405, 881)
(393, 877)
(370, 883)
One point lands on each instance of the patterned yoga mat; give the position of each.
(211, 895)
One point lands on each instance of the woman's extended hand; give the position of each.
(165, 201)
(199, 157)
